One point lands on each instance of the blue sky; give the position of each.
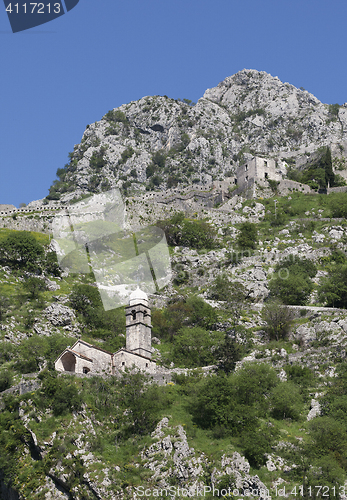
(63, 75)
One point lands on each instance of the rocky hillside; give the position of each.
(252, 326)
(252, 426)
(158, 142)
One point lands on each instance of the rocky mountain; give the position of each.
(252, 326)
(157, 143)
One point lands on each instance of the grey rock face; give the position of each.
(315, 410)
(276, 119)
(305, 334)
(238, 467)
(51, 285)
(59, 315)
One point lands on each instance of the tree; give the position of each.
(210, 406)
(320, 173)
(291, 283)
(338, 204)
(84, 299)
(228, 353)
(286, 400)
(34, 286)
(333, 288)
(195, 346)
(52, 265)
(278, 319)
(21, 249)
(327, 164)
(253, 385)
(140, 404)
(61, 394)
(191, 233)
(4, 305)
(233, 293)
(248, 236)
(202, 314)
(235, 402)
(5, 380)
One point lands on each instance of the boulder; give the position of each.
(315, 410)
(306, 334)
(59, 315)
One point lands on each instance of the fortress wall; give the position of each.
(341, 189)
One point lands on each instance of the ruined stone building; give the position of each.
(85, 358)
(257, 169)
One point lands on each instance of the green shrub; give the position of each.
(248, 236)
(228, 353)
(115, 115)
(257, 443)
(5, 380)
(59, 393)
(338, 204)
(85, 299)
(195, 346)
(202, 314)
(191, 233)
(235, 402)
(300, 375)
(278, 319)
(273, 185)
(98, 160)
(333, 288)
(4, 306)
(286, 401)
(21, 249)
(291, 282)
(34, 286)
(126, 154)
(51, 264)
(193, 311)
(334, 109)
(158, 159)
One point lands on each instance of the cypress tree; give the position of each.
(327, 164)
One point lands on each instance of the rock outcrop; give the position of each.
(158, 143)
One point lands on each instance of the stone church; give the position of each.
(85, 358)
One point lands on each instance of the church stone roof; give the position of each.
(138, 296)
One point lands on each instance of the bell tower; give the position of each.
(138, 324)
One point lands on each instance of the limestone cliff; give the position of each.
(157, 142)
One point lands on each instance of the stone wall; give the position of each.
(341, 189)
(5, 208)
(125, 359)
(286, 186)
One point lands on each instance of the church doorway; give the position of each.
(68, 361)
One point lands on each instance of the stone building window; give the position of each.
(123, 363)
(146, 365)
(266, 175)
(133, 313)
(86, 370)
(246, 178)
